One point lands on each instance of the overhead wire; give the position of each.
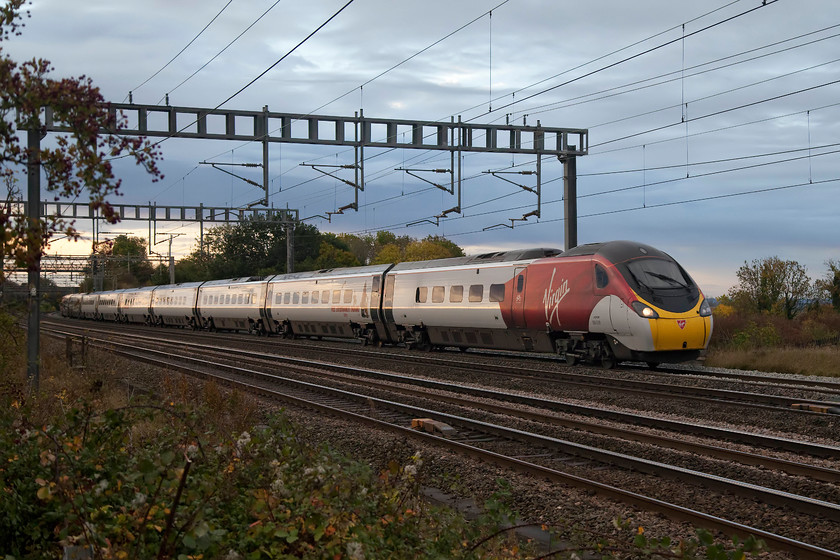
(147, 80)
(218, 54)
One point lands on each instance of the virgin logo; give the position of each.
(553, 296)
(681, 323)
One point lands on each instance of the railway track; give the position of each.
(816, 397)
(486, 439)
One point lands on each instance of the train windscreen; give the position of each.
(662, 282)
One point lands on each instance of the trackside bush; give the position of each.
(89, 480)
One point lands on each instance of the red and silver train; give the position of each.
(597, 303)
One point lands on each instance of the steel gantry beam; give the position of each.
(358, 131)
(257, 126)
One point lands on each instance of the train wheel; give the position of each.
(652, 365)
(608, 362)
(571, 359)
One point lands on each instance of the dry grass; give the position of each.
(109, 382)
(804, 361)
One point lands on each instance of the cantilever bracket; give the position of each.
(413, 173)
(498, 175)
(217, 165)
(317, 167)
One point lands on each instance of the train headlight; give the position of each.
(644, 311)
(705, 309)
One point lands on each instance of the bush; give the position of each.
(753, 330)
(88, 479)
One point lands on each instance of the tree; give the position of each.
(773, 286)
(407, 249)
(332, 256)
(125, 262)
(830, 285)
(253, 247)
(78, 163)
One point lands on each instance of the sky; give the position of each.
(714, 127)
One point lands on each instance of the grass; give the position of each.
(801, 361)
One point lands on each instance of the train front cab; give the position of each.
(665, 318)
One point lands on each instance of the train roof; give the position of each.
(616, 251)
(328, 272)
(484, 258)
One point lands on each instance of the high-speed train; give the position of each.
(599, 303)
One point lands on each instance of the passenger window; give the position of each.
(476, 292)
(456, 294)
(240, 299)
(497, 292)
(325, 296)
(601, 278)
(315, 296)
(278, 298)
(304, 297)
(421, 294)
(336, 296)
(348, 296)
(287, 297)
(438, 293)
(296, 298)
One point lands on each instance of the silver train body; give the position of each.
(594, 303)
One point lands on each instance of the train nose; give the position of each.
(681, 333)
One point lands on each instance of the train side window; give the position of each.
(476, 292)
(438, 293)
(601, 278)
(278, 298)
(456, 294)
(336, 298)
(239, 299)
(296, 298)
(520, 283)
(304, 297)
(421, 294)
(315, 295)
(325, 296)
(497, 292)
(287, 297)
(348, 296)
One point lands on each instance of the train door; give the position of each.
(517, 301)
(265, 308)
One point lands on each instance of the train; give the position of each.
(598, 303)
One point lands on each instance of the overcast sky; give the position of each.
(668, 89)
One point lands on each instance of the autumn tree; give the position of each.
(76, 163)
(772, 286)
(830, 284)
(253, 247)
(124, 261)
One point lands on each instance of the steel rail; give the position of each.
(801, 549)
(791, 467)
(773, 442)
(769, 495)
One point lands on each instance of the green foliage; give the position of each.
(772, 286)
(94, 480)
(702, 546)
(829, 286)
(755, 336)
